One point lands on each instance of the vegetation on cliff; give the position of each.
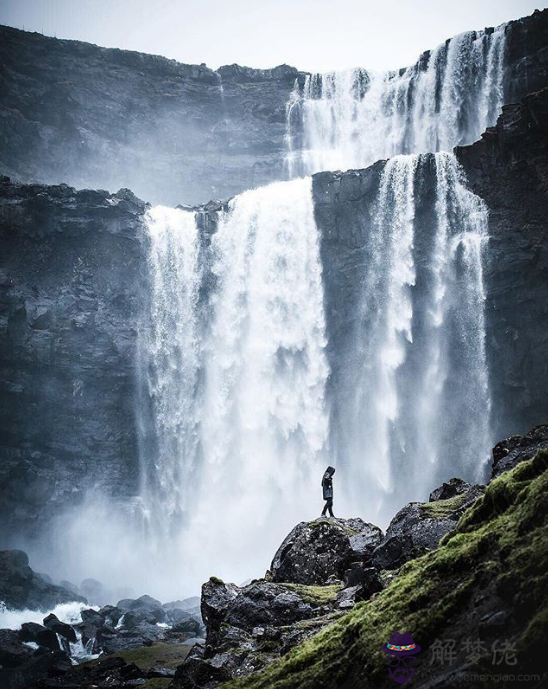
(488, 580)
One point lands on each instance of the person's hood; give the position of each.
(330, 471)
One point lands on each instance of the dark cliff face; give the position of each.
(508, 168)
(526, 56)
(106, 118)
(71, 285)
(346, 205)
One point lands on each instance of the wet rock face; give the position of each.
(518, 448)
(71, 289)
(419, 527)
(314, 552)
(527, 56)
(100, 118)
(21, 588)
(508, 168)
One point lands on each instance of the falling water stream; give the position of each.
(238, 397)
(417, 403)
(350, 119)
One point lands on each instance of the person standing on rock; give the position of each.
(327, 487)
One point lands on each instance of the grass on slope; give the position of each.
(149, 657)
(501, 542)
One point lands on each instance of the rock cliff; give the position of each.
(71, 289)
(508, 168)
(106, 118)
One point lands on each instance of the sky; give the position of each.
(313, 35)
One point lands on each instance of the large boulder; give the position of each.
(186, 604)
(318, 551)
(61, 628)
(144, 608)
(38, 634)
(21, 587)
(419, 527)
(249, 626)
(518, 448)
(216, 597)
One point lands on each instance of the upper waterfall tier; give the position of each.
(349, 119)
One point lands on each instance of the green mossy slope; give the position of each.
(497, 559)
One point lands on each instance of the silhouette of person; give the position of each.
(327, 487)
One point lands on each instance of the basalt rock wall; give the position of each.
(508, 168)
(71, 285)
(106, 118)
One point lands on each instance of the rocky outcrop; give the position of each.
(418, 527)
(22, 588)
(248, 627)
(480, 595)
(518, 448)
(508, 168)
(321, 570)
(71, 290)
(317, 552)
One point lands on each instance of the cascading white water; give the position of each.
(386, 313)
(419, 403)
(264, 425)
(463, 226)
(242, 389)
(172, 361)
(351, 119)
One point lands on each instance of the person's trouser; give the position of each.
(328, 506)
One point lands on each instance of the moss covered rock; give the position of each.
(418, 527)
(486, 584)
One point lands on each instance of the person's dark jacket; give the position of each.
(327, 483)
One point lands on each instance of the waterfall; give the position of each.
(351, 119)
(237, 393)
(385, 317)
(171, 351)
(264, 425)
(418, 407)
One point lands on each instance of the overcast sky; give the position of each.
(313, 35)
